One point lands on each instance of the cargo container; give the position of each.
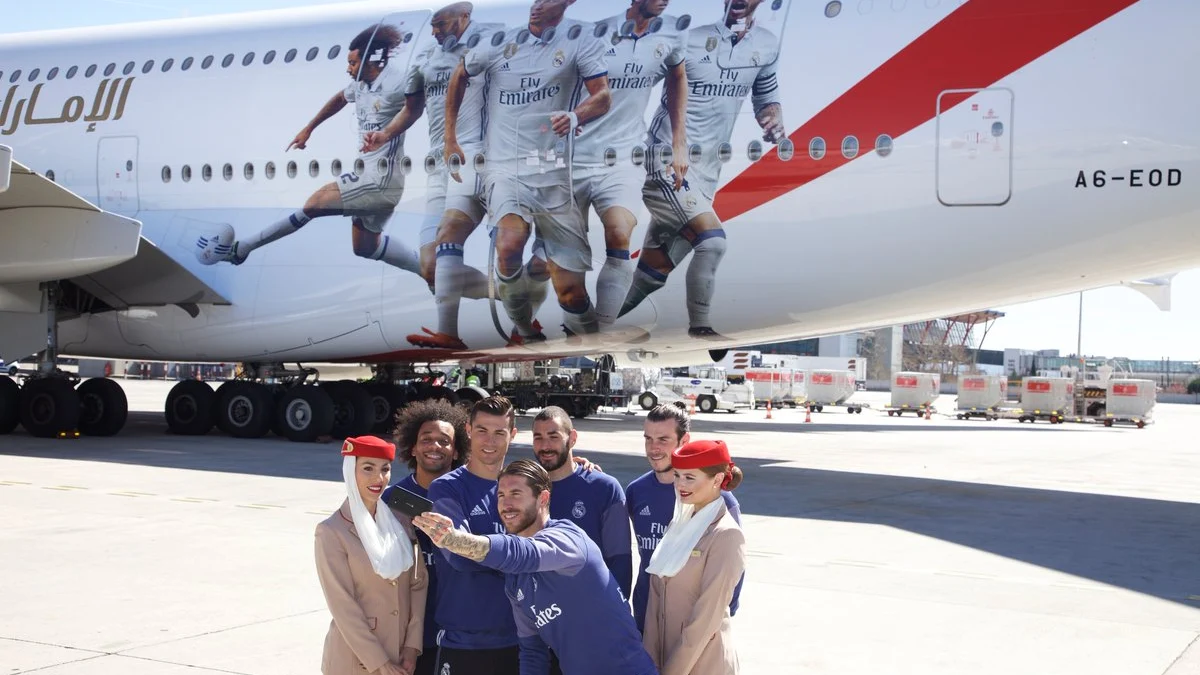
(914, 391)
(1046, 397)
(981, 395)
(1129, 401)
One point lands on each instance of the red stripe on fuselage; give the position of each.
(973, 47)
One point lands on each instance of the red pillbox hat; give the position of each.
(369, 446)
(699, 454)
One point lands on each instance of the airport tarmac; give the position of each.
(874, 545)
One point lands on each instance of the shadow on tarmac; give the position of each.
(1144, 545)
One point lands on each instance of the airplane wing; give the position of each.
(48, 233)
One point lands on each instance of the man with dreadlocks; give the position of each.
(370, 190)
(431, 438)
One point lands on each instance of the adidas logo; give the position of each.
(478, 511)
(645, 510)
(505, 66)
(520, 595)
(706, 59)
(611, 52)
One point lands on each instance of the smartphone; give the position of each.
(408, 503)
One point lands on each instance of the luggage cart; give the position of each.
(851, 408)
(899, 410)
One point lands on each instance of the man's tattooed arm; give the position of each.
(471, 546)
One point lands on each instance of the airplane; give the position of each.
(936, 157)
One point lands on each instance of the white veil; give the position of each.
(682, 535)
(384, 538)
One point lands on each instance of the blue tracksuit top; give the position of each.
(564, 597)
(596, 503)
(471, 607)
(651, 505)
(410, 483)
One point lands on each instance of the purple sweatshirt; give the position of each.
(564, 597)
(651, 505)
(596, 503)
(471, 607)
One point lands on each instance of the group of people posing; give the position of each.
(527, 568)
(535, 125)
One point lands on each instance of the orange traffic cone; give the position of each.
(808, 414)
(768, 409)
(692, 407)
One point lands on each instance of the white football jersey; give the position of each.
(432, 72)
(721, 74)
(635, 66)
(375, 105)
(528, 79)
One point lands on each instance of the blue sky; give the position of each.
(1116, 321)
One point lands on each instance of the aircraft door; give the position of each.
(116, 175)
(974, 152)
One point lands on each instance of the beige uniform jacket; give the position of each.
(373, 618)
(688, 629)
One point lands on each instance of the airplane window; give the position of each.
(883, 145)
(269, 58)
(405, 165)
(833, 9)
(15, 76)
(248, 171)
(816, 148)
(108, 70)
(334, 51)
(187, 63)
(695, 153)
(166, 66)
(227, 171)
(129, 165)
(638, 156)
(129, 68)
(71, 72)
(724, 152)
(754, 151)
(166, 174)
(683, 22)
(33, 74)
(665, 155)
(291, 169)
(610, 157)
(227, 61)
(382, 165)
(52, 74)
(359, 167)
(206, 173)
(269, 170)
(91, 70)
(248, 59)
(50, 175)
(335, 167)
(312, 54)
(480, 161)
(148, 66)
(314, 168)
(185, 173)
(430, 164)
(849, 147)
(290, 56)
(206, 62)
(786, 150)
(497, 38)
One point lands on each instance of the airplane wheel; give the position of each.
(10, 405)
(245, 411)
(48, 407)
(189, 408)
(305, 414)
(103, 407)
(647, 401)
(386, 400)
(353, 409)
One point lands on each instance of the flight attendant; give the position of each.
(373, 578)
(695, 568)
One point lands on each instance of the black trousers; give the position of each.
(477, 662)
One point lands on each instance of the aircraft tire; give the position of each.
(305, 414)
(353, 409)
(246, 410)
(48, 407)
(104, 407)
(189, 409)
(386, 400)
(10, 405)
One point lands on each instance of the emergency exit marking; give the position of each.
(1133, 178)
